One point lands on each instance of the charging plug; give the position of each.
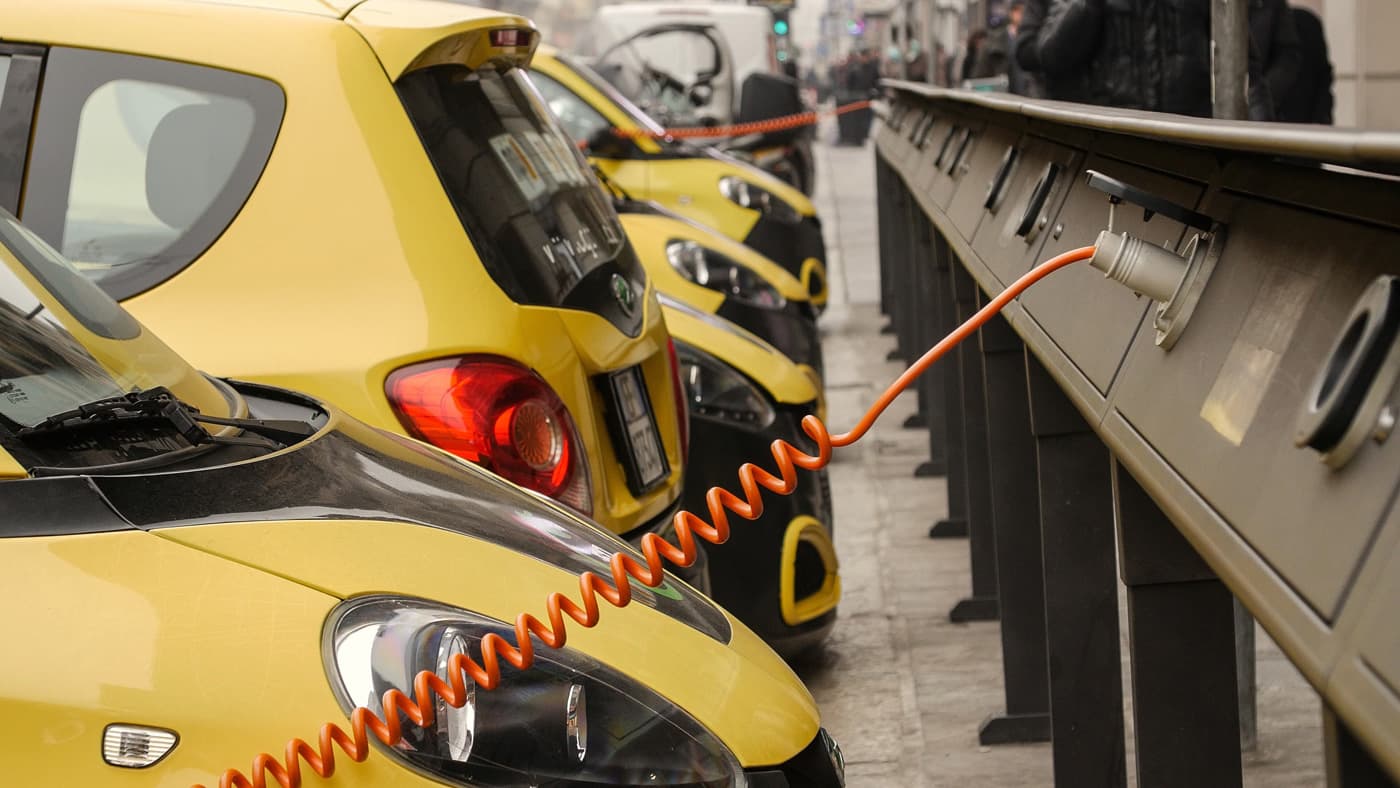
(1138, 265)
(1174, 281)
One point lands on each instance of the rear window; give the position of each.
(529, 202)
(143, 162)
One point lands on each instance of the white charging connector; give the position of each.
(1174, 281)
(1140, 266)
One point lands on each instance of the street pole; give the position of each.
(1229, 51)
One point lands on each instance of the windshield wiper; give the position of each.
(160, 403)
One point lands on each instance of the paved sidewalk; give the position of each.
(901, 688)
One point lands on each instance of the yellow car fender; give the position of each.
(650, 233)
(741, 691)
(786, 382)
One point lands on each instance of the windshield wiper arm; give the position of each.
(160, 403)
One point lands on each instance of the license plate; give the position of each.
(635, 426)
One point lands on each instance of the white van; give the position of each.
(705, 64)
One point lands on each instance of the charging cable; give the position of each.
(494, 648)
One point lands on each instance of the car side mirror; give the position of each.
(700, 94)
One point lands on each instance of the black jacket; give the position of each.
(1275, 57)
(1136, 54)
(1152, 54)
(1061, 85)
(1310, 98)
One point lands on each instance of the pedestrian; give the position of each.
(1135, 54)
(1020, 80)
(994, 51)
(1153, 54)
(971, 49)
(1061, 84)
(1310, 98)
(1275, 57)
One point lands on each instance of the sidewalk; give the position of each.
(901, 688)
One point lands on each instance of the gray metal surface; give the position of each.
(1207, 427)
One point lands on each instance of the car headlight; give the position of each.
(718, 392)
(708, 268)
(757, 198)
(568, 721)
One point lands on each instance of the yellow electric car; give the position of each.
(777, 574)
(736, 199)
(197, 570)
(720, 276)
(364, 200)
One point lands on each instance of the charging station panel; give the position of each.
(1022, 200)
(1255, 406)
(1091, 319)
(972, 162)
(1222, 406)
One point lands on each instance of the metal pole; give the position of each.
(1229, 49)
(1229, 55)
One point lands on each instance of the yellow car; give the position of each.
(199, 570)
(367, 201)
(720, 276)
(736, 199)
(777, 574)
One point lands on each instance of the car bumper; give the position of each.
(777, 574)
(797, 246)
(819, 765)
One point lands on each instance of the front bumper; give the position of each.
(792, 329)
(797, 246)
(777, 574)
(819, 765)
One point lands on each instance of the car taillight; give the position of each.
(499, 415)
(678, 392)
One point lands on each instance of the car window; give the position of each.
(533, 209)
(146, 161)
(578, 118)
(64, 342)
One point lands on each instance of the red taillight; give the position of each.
(509, 37)
(499, 415)
(678, 391)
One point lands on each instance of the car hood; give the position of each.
(357, 511)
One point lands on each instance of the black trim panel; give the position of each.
(56, 507)
(348, 472)
(21, 89)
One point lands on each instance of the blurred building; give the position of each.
(1361, 38)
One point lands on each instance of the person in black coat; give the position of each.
(1025, 51)
(1310, 99)
(1275, 57)
(1151, 54)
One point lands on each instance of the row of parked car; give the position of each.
(450, 321)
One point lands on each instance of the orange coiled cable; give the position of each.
(487, 675)
(744, 129)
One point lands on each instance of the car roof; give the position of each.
(336, 9)
(398, 31)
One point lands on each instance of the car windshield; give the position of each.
(63, 342)
(525, 195)
(633, 112)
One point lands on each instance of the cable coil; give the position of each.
(744, 129)
(494, 648)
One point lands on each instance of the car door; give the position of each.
(680, 73)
